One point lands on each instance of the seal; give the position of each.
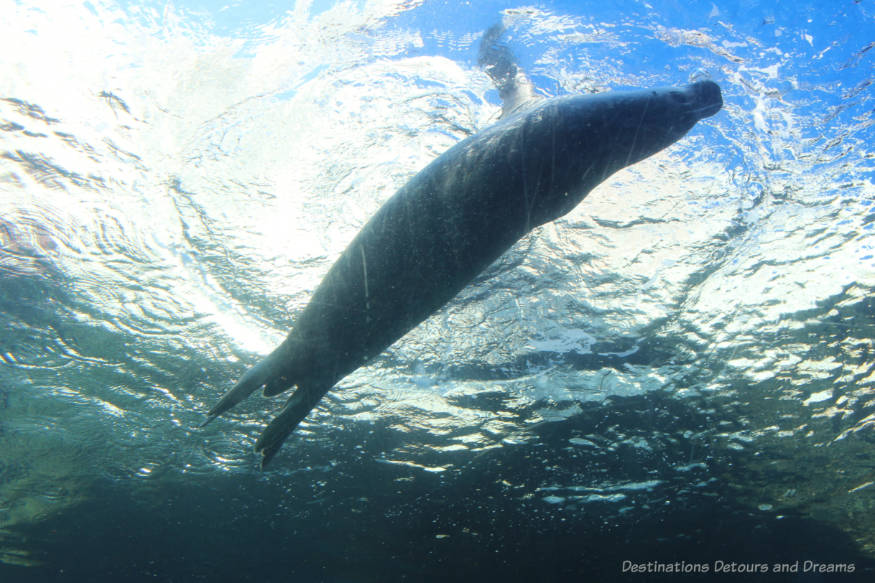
(450, 222)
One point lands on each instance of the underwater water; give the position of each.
(678, 375)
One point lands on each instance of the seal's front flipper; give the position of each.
(256, 377)
(498, 61)
(297, 407)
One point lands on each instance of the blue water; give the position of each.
(681, 369)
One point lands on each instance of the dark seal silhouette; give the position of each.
(453, 219)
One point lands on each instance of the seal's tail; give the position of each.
(272, 374)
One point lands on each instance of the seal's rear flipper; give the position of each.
(297, 407)
(262, 373)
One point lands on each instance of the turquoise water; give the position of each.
(678, 370)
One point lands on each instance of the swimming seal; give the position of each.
(453, 219)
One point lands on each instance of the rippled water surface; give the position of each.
(682, 368)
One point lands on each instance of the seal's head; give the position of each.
(581, 140)
(705, 98)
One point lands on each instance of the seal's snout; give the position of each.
(706, 97)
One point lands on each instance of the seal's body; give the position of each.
(451, 221)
